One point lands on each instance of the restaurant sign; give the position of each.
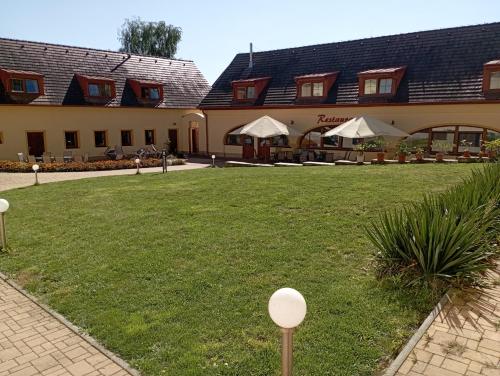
(324, 119)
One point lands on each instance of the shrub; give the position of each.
(9, 166)
(449, 237)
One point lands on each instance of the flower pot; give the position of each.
(360, 158)
(466, 154)
(439, 157)
(492, 154)
(402, 158)
(482, 154)
(380, 157)
(419, 156)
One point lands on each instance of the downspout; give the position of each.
(206, 129)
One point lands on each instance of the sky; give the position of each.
(215, 30)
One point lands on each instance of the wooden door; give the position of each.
(264, 149)
(195, 145)
(248, 151)
(36, 143)
(172, 136)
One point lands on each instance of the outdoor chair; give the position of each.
(46, 158)
(31, 159)
(78, 158)
(86, 157)
(281, 156)
(59, 159)
(21, 157)
(311, 156)
(119, 152)
(68, 156)
(329, 157)
(289, 155)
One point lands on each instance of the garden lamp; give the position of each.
(138, 163)
(287, 308)
(35, 168)
(4, 206)
(213, 160)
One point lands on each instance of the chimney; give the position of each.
(250, 63)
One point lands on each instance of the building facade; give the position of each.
(62, 100)
(439, 85)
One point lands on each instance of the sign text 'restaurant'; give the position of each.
(322, 119)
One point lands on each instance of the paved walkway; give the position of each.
(34, 341)
(17, 180)
(464, 339)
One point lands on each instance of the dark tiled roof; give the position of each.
(442, 65)
(184, 85)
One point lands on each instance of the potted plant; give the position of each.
(402, 150)
(378, 146)
(441, 147)
(492, 147)
(466, 145)
(360, 149)
(419, 153)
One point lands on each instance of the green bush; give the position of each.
(450, 237)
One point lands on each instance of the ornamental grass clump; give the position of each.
(450, 237)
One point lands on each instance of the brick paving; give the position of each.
(17, 180)
(464, 339)
(34, 342)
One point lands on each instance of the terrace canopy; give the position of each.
(266, 127)
(365, 127)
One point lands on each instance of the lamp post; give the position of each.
(213, 160)
(138, 163)
(287, 308)
(4, 206)
(35, 168)
(164, 160)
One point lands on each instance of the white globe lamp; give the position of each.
(4, 206)
(35, 168)
(287, 308)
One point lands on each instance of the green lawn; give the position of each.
(173, 272)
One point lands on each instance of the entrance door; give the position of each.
(172, 136)
(248, 151)
(195, 146)
(264, 149)
(36, 144)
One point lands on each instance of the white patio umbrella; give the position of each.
(265, 127)
(365, 127)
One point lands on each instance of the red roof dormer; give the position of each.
(491, 77)
(248, 90)
(382, 82)
(22, 86)
(147, 92)
(315, 86)
(98, 90)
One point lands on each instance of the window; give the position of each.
(331, 142)
(385, 86)
(306, 90)
(279, 141)
(152, 93)
(371, 86)
(317, 89)
(495, 80)
(126, 138)
(311, 89)
(100, 139)
(245, 92)
(71, 139)
(17, 85)
(233, 139)
(31, 86)
(149, 136)
(99, 90)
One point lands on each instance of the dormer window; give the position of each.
(22, 86)
(147, 92)
(249, 90)
(491, 77)
(97, 90)
(314, 86)
(380, 82)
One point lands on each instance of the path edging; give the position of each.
(410, 345)
(72, 327)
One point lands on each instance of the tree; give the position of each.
(149, 38)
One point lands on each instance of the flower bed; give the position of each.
(10, 166)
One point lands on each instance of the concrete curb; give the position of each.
(72, 327)
(398, 362)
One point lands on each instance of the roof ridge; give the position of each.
(375, 37)
(91, 49)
